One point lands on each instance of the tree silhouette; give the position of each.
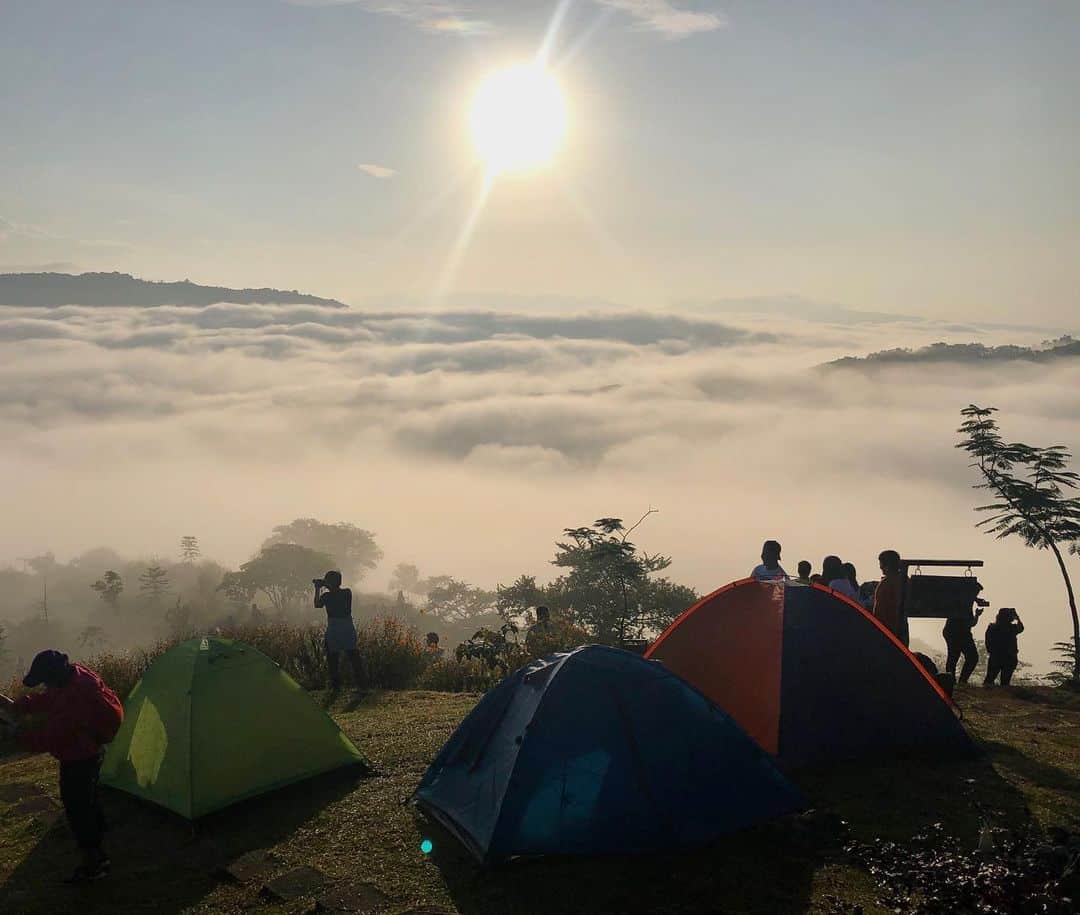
(406, 578)
(92, 638)
(189, 549)
(352, 549)
(608, 584)
(454, 601)
(109, 588)
(154, 584)
(518, 598)
(282, 571)
(1030, 486)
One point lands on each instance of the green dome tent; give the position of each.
(214, 721)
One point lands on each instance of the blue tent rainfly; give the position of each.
(598, 751)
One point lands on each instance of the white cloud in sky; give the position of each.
(377, 171)
(660, 16)
(430, 15)
(667, 19)
(10, 228)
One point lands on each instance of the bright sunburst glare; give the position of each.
(518, 119)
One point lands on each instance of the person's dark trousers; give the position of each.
(333, 668)
(1003, 666)
(333, 665)
(356, 662)
(961, 645)
(82, 803)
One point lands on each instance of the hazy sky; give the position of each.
(917, 156)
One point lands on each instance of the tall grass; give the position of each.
(392, 652)
(394, 657)
(452, 675)
(121, 670)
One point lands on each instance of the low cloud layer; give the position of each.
(467, 440)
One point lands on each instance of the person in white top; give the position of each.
(770, 568)
(836, 577)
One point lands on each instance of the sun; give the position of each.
(518, 119)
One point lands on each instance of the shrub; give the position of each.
(298, 649)
(121, 670)
(1066, 666)
(559, 635)
(452, 675)
(496, 649)
(394, 656)
(393, 653)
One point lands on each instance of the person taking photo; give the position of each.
(340, 630)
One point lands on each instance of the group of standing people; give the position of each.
(1002, 651)
(885, 600)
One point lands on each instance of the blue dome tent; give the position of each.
(598, 751)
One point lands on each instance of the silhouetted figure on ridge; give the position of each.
(340, 630)
(852, 577)
(804, 572)
(1002, 653)
(960, 642)
(866, 594)
(836, 577)
(888, 597)
(770, 568)
(539, 631)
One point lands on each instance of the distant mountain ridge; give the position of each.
(961, 353)
(52, 290)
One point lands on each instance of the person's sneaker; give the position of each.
(89, 873)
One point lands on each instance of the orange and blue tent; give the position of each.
(810, 675)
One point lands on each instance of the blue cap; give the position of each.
(47, 667)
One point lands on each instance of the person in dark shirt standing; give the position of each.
(539, 633)
(1002, 654)
(960, 642)
(432, 647)
(888, 605)
(340, 630)
(804, 572)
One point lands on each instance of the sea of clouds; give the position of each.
(468, 439)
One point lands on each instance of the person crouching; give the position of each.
(73, 719)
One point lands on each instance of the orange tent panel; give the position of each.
(745, 680)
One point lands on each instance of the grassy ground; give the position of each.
(365, 844)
